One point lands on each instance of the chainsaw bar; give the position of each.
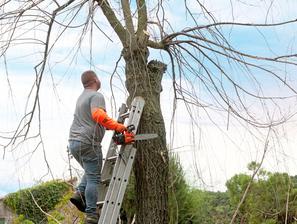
(141, 137)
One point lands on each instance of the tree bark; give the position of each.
(151, 163)
(144, 79)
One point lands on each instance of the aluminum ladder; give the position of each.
(117, 167)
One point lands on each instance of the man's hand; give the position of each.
(129, 137)
(120, 128)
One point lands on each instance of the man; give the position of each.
(86, 133)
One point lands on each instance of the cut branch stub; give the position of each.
(142, 78)
(156, 69)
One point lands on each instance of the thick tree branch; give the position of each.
(142, 17)
(130, 32)
(113, 20)
(156, 45)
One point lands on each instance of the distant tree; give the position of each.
(271, 198)
(186, 204)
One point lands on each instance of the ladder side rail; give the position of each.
(120, 190)
(123, 185)
(112, 192)
(107, 167)
(137, 111)
(110, 188)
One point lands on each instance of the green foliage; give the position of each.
(65, 212)
(22, 220)
(55, 215)
(46, 195)
(269, 221)
(266, 202)
(267, 198)
(178, 189)
(204, 207)
(186, 205)
(236, 187)
(252, 166)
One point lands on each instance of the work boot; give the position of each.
(78, 199)
(91, 218)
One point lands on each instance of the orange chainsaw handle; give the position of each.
(126, 137)
(129, 137)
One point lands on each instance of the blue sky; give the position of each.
(210, 152)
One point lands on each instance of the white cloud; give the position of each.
(255, 11)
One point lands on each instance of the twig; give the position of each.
(47, 214)
(252, 179)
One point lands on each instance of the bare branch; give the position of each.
(252, 178)
(142, 17)
(236, 24)
(112, 19)
(130, 33)
(229, 49)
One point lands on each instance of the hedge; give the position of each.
(46, 195)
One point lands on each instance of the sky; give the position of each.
(212, 148)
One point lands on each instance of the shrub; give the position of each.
(46, 195)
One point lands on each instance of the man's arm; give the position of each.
(100, 116)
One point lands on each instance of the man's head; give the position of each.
(90, 80)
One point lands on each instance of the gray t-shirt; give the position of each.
(84, 128)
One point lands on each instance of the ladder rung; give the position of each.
(112, 159)
(105, 181)
(125, 115)
(100, 204)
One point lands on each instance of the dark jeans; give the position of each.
(90, 158)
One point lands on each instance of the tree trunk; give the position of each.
(151, 163)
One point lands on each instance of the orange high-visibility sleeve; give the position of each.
(101, 117)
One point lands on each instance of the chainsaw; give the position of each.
(128, 136)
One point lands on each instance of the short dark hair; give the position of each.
(88, 78)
